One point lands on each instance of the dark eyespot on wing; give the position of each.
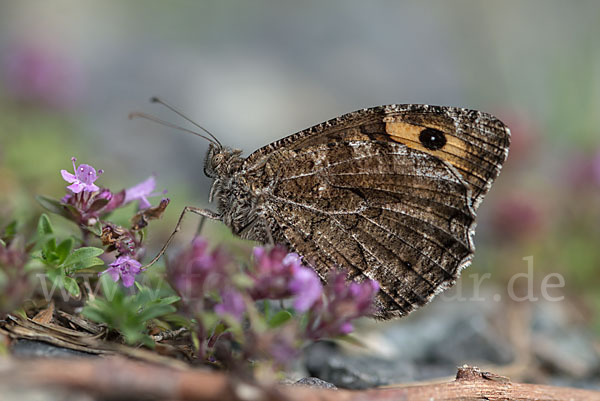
(432, 139)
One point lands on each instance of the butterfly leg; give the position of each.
(266, 236)
(270, 239)
(205, 213)
(200, 225)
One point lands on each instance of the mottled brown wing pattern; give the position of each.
(389, 193)
(383, 210)
(476, 142)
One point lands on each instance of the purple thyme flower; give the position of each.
(141, 192)
(344, 302)
(15, 285)
(232, 304)
(115, 200)
(35, 72)
(84, 178)
(278, 274)
(282, 344)
(124, 267)
(197, 270)
(306, 286)
(86, 202)
(517, 216)
(345, 328)
(271, 273)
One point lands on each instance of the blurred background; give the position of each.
(252, 72)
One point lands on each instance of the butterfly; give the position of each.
(387, 193)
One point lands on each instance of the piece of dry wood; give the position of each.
(170, 334)
(85, 324)
(45, 316)
(17, 327)
(117, 377)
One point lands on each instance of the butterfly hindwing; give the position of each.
(380, 209)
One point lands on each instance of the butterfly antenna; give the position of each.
(170, 125)
(179, 113)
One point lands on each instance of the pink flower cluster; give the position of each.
(274, 274)
(86, 203)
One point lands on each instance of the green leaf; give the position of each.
(71, 286)
(54, 274)
(96, 229)
(87, 263)
(144, 296)
(56, 277)
(94, 313)
(63, 249)
(195, 340)
(154, 311)
(266, 304)
(98, 311)
(279, 318)
(350, 339)
(110, 289)
(169, 300)
(220, 329)
(178, 320)
(209, 319)
(81, 254)
(49, 251)
(242, 280)
(145, 340)
(10, 230)
(44, 226)
(51, 204)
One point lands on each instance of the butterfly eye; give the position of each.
(432, 138)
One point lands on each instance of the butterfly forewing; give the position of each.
(476, 143)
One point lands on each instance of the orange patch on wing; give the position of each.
(454, 151)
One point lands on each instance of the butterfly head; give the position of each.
(221, 161)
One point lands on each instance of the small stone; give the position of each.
(315, 383)
(37, 349)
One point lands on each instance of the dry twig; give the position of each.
(117, 377)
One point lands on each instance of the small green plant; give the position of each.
(61, 261)
(129, 314)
